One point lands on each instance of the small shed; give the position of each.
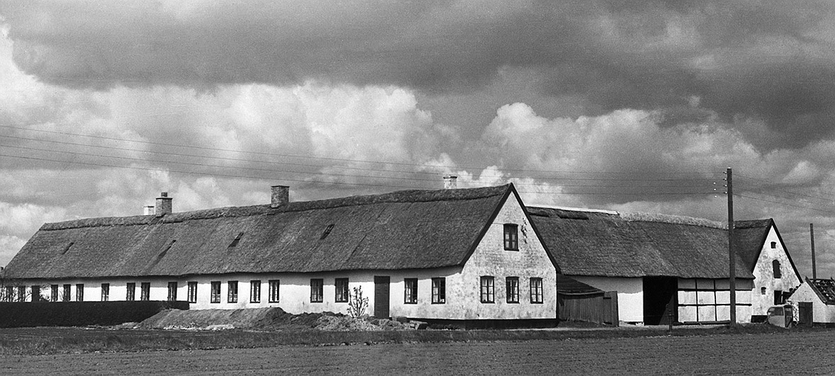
(821, 294)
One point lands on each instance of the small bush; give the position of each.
(357, 305)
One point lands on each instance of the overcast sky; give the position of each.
(636, 107)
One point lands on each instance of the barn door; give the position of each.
(381, 297)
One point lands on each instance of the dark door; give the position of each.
(660, 300)
(381, 296)
(804, 313)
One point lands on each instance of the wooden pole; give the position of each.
(812, 236)
(731, 255)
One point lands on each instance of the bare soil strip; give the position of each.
(787, 352)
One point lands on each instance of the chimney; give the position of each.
(450, 182)
(280, 196)
(148, 210)
(163, 205)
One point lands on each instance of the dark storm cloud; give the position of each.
(770, 61)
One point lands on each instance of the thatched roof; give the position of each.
(400, 230)
(593, 243)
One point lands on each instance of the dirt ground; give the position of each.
(808, 353)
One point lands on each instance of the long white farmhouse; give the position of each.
(466, 256)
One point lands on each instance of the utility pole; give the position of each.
(812, 236)
(731, 255)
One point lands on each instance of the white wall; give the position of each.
(764, 275)
(630, 295)
(491, 259)
(821, 313)
(709, 300)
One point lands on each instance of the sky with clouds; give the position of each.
(631, 106)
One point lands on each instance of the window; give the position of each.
(274, 289)
(9, 294)
(778, 297)
(215, 292)
(66, 296)
(410, 290)
(232, 293)
(762, 290)
(341, 290)
(487, 289)
(172, 291)
(21, 293)
(255, 291)
(316, 295)
(145, 291)
(536, 290)
(130, 294)
(79, 292)
(775, 265)
(512, 284)
(192, 292)
(36, 293)
(511, 237)
(53, 293)
(773, 245)
(438, 290)
(105, 292)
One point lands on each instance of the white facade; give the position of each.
(765, 281)
(463, 290)
(821, 312)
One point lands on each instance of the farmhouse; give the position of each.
(665, 267)
(468, 256)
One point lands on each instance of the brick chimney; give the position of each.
(450, 182)
(280, 196)
(163, 205)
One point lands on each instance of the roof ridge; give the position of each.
(672, 219)
(404, 196)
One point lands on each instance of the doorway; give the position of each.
(381, 297)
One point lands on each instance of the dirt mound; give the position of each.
(264, 319)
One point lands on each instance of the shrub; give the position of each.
(357, 305)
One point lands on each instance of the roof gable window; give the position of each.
(511, 237)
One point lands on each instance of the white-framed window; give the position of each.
(511, 237)
(255, 291)
(215, 297)
(341, 293)
(275, 288)
(192, 292)
(512, 289)
(438, 290)
(536, 290)
(410, 290)
(316, 290)
(105, 292)
(232, 292)
(488, 289)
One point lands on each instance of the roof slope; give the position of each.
(400, 230)
(824, 288)
(615, 245)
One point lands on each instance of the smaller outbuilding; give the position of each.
(821, 294)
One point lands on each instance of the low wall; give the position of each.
(14, 315)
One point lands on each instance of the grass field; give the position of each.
(636, 351)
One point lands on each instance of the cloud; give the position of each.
(769, 62)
